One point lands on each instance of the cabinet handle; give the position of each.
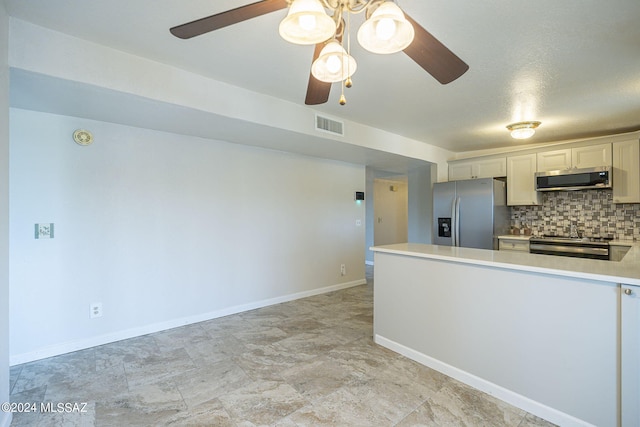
(628, 291)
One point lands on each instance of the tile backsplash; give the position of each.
(591, 211)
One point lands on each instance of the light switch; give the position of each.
(44, 231)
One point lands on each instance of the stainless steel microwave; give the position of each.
(574, 179)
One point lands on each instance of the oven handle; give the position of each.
(568, 249)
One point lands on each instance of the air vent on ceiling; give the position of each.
(325, 124)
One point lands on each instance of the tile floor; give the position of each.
(310, 362)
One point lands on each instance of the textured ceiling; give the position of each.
(574, 66)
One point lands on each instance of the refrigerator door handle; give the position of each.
(453, 222)
(457, 223)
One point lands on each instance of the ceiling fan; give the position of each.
(385, 30)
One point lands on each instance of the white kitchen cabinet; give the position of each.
(630, 355)
(588, 156)
(471, 169)
(460, 170)
(554, 160)
(591, 156)
(520, 180)
(626, 171)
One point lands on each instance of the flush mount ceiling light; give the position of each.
(386, 29)
(523, 130)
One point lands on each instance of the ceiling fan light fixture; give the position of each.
(334, 64)
(307, 23)
(523, 130)
(386, 30)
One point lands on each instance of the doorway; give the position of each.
(411, 202)
(390, 210)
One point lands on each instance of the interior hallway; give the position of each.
(309, 362)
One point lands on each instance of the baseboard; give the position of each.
(5, 419)
(58, 349)
(511, 397)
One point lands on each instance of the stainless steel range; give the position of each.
(580, 247)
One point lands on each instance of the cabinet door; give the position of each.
(520, 180)
(626, 172)
(461, 170)
(554, 160)
(485, 168)
(490, 168)
(591, 156)
(630, 354)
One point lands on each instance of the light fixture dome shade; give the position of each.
(523, 130)
(386, 30)
(333, 64)
(307, 23)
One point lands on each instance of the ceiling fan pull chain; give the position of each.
(343, 100)
(348, 83)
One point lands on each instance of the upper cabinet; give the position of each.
(477, 168)
(554, 160)
(626, 172)
(521, 189)
(591, 156)
(588, 156)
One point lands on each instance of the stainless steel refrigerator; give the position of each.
(470, 213)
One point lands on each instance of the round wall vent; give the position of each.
(82, 137)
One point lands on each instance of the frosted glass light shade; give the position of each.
(523, 130)
(522, 133)
(333, 64)
(386, 31)
(307, 23)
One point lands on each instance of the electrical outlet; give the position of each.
(343, 270)
(95, 310)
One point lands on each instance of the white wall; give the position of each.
(164, 230)
(5, 418)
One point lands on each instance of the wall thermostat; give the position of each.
(359, 195)
(82, 137)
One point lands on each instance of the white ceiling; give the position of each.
(573, 65)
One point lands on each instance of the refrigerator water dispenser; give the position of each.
(444, 227)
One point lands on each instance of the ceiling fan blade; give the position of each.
(433, 56)
(230, 17)
(317, 91)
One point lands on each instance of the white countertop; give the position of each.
(626, 271)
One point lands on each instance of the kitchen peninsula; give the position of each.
(555, 336)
